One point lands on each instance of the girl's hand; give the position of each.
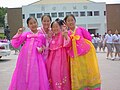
(20, 30)
(64, 28)
(50, 34)
(40, 49)
(65, 34)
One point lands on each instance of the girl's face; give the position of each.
(116, 32)
(70, 22)
(32, 24)
(109, 32)
(55, 28)
(46, 22)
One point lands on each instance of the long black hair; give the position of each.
(59, 21)
(69, 16)
(47, 16)
(30, 19)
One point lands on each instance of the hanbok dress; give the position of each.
(58, 63)
(30, 71)
(83, 61)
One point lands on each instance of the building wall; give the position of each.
(97, 23)
(14, 17)
(113, 17)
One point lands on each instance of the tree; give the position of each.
(3, 11)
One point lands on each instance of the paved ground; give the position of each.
(110, 71)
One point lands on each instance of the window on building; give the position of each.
(46, 13)
(61, 14)
(68, 13)
(23, 16)
(82, 13)
(89, 13)
(39, 15)
(104, 13)
(75, 14)
(54, 14)
(33, 15)
(96, 13)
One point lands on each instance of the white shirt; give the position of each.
(109, 38)
(116, 39)
(94, 40)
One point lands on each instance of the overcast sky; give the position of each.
(19, 3)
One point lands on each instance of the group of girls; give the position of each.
(56, 56)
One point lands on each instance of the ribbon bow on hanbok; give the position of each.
(74, 38)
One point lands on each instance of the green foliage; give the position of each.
(3, 11)
(2, 36)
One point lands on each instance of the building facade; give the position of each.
(113, 17)
(14, 20)
(90, 15)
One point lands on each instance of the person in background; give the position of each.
(116, 42)
(100, 42)
(104, 43)
(85, 73)
(95, 42)
(109, 44)
(7, 32)
(30, 72)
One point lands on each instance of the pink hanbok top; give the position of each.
(79, 35)
(59, 42)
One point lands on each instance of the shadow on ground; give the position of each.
(4, 60)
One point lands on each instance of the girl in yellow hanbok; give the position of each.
(83, 61)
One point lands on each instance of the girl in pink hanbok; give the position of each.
(45, 29)
(57, 62)
(30, 72)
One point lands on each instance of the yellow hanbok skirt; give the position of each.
(84, 71)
